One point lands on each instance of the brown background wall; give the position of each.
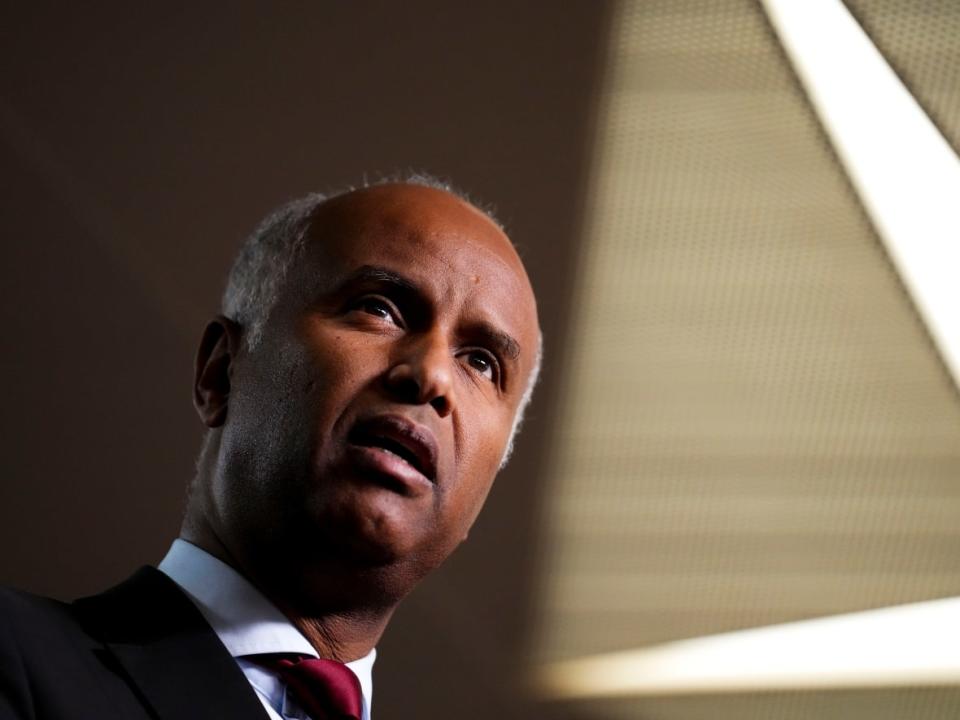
(140, 144)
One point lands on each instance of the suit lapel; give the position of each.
(168, 652)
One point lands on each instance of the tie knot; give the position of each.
(326, 689)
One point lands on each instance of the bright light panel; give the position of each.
(908, 645)
(906, 174)
(908, 179)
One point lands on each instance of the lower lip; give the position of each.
(398, 473)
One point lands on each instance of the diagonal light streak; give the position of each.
(905, 172)
(908, 179)
(907, 645)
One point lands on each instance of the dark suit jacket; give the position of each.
(139, 650)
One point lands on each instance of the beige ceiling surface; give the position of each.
(919, 38)
(905, 704)
(755, 427)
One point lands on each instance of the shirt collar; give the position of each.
(244, 620)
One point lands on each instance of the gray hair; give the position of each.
(266, 257)
(524, 401)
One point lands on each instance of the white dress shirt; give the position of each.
(249, 624)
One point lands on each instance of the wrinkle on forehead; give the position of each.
(402, 226)
(423, 216)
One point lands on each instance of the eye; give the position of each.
(378, 307)
(483, 363)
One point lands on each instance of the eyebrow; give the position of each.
(496, 338)
(500, 340)
(376, 273)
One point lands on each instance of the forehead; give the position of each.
(448, 247)
(413, 221)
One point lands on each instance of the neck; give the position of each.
(339, 637)
(341, 634)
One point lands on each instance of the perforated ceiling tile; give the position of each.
(919, 40)
(755, 427)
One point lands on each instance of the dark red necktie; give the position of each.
(326, 689)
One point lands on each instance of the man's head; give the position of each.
(363, 391)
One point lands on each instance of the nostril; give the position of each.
(402, 384)
(441, 405)
(407, 389)
(412, 383)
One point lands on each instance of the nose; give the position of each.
(422, 374)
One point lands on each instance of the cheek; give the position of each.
(340, 359)
(494, 441)
(484, 450)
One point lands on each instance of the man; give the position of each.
(361, 389)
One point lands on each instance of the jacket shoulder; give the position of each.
(30, 627)
(54, 661)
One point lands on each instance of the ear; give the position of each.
(218, 350)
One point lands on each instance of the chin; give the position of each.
(381, 542)
(369, 574)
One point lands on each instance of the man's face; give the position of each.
(368, 425)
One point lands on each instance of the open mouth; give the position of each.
(394, 447)
(400, 437)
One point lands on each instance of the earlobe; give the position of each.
(211, 386)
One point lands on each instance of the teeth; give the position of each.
(397, 451)
(391, 452)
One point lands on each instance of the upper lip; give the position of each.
(411, 441)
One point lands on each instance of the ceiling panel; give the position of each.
(755, 427)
